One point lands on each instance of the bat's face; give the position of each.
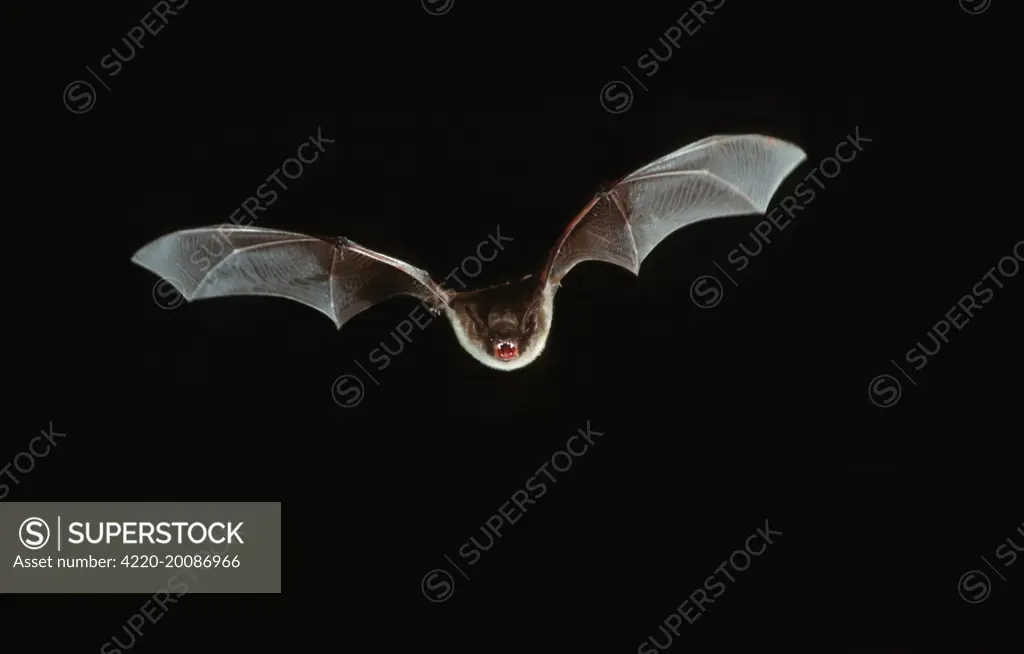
(502, 333)
(509, 332)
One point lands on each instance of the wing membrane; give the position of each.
(337, 277)
(715, 177)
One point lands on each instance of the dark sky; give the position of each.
(437, 131)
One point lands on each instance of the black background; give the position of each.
(714, 420)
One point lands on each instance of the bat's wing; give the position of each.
(334, 276)
(715, 177)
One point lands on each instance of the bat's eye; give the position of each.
(506, 350)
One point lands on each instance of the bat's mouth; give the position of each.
(506, 350)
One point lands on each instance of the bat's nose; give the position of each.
(505, 330)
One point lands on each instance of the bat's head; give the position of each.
(503, 335)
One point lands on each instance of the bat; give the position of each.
(504, 327)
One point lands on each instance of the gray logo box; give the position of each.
(171, 548)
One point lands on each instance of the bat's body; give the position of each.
(505, 327)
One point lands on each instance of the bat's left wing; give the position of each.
(715, 177)
(335, 276)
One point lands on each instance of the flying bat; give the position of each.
(504, 327)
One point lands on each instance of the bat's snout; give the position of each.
(506, 349)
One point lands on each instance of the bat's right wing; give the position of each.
(715, 177)
(334, 276)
